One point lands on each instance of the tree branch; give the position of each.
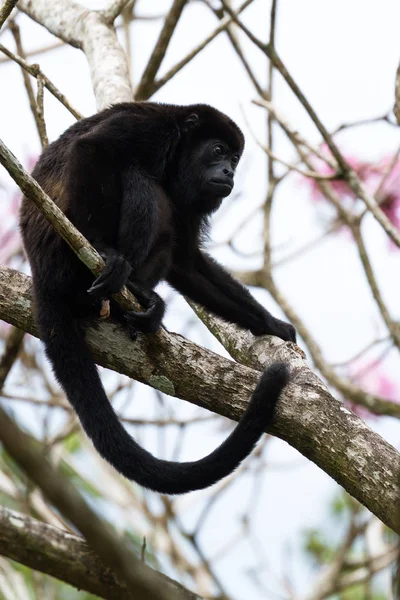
(308, 417)
(36, 72)
(89, 31)
(144, 89)
(67, 557)
(12, 347)
(348, 173)
(141, 581)
(6, 10)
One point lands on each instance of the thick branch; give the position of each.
(308, 417)
(141, 581)
(89, 31)
(67, 557)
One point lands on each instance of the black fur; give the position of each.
(139, 181)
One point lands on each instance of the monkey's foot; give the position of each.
(147, 321)
(105, 310)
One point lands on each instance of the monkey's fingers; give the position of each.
(281, 329)
(112, 278)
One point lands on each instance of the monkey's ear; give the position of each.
(191, 122)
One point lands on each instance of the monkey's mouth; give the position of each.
(221, 187)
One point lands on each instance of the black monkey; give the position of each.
(139, 180)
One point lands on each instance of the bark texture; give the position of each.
(309, 418)
(67, 557)
(89, 31)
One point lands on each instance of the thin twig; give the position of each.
(294, 135)
(145, 88)
(361, 122)
(159, 83)
(12, 347)
(35, 71)
(347, 172)
(113, 10)
(292, 167)
(27, 81)
(391, 324)
(40, 113)
(219, 12)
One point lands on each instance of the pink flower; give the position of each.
(381, 179)
(389, 193)
(339, 186)
(372, 377)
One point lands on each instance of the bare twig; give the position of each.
(352, 221)
(35, 71)
(39, 50)
(238, 49)
(373, 566)
(12, 347)
(326, 583)
(111, 12)
(347, 172)
(174, 70)
(28, 84)
(293, 167)
(40, 113)
(145, 88)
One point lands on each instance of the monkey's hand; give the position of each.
(112, 278)
(273, 326)
(149, 320)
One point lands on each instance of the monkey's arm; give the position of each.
(204, 281)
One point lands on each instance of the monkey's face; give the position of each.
(204, 173)
(217, 162)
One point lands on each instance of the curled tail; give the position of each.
(75, 370)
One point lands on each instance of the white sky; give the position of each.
(344, 56)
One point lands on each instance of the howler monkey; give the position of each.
(139, 180)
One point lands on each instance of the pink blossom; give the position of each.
(339, 186)
(372, 377)
(381, 178)
(389, 193)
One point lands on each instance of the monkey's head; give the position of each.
(210, 150)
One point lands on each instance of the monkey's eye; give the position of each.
(218, 150)
(235, 159)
